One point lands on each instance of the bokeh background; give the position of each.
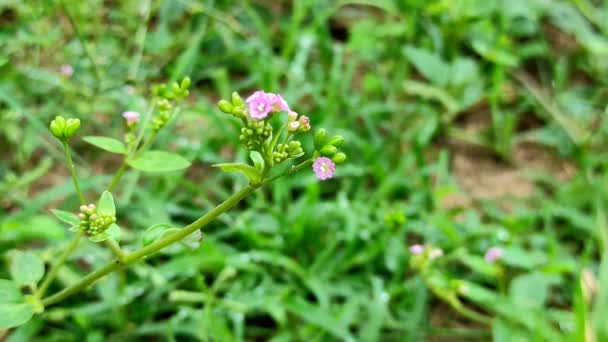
(469, 124)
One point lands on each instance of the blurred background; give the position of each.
(469, 124)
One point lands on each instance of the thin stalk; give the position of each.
(150, 249)
(68, 157)
(115, 247)
(139, 42)
(168, 240)
(55, 268)
(118, 176)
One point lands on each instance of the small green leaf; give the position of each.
(14, 314)
(155, 232)
(159, 161)
(257, 159)
(9, 292)
(108, 144)
(529, 290)
(105, 206)
(75, 229)
(66, 217)
(114, 231)
(99, 237)
(26, 268)
(251, 172)
(192, 241)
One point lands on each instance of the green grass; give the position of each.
(408, 84)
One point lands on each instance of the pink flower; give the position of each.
(493, 254)
(324, 168)
(131, 116)
(66, 70)
(416, 249)
(261, 104)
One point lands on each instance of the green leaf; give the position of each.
(9, 292)
(155, 232)
(26, 268)
(159, 161)
(251, 172)
(105, 205)
(529, 290)
(107, 144)
(257, 159)
(429, 64)
(66, 217)
(14, 314)
(99, 237)
(114, 231)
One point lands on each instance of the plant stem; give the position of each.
(152, 248)
(118, 175)
(115, 247)
(62, 259)
(68, 156)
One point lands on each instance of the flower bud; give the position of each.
(293, 126)
(186, 83)
(236, 99)
(292, 116)
(320, 137)
(163, 104)
(328, 150)
(336, 140)
(71, 128)
(225, 106)
(339, 158)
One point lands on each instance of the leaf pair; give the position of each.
(148, 161)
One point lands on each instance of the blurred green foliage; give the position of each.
(405, 82)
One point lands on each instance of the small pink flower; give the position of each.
(261, 104)
(416, 249)
(66, 70)
(131, 116)
(324, 168)
(493, 254)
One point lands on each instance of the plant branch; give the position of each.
(68, 157)
(55, 268)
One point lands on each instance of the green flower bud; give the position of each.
(336, 140)
(71, 128)
(236, 99)
(328, 150)
(225, 106)
(320, 137)
(339, 158)
(163, 105)
(186, 83)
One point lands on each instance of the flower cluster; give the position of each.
(64, 129)
(277, 146)
(167, 97)
(92, 222)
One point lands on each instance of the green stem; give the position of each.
(62, 259)
(150, 249)
(68, 157)
(118, 176)
(115, 247)
(139, 42)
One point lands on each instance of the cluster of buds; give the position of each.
(257, 134)
(64, 129)
(92, 222)
(422, 255)
(291, 150)
(295, 124)
(254, 134)
(166, 99)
